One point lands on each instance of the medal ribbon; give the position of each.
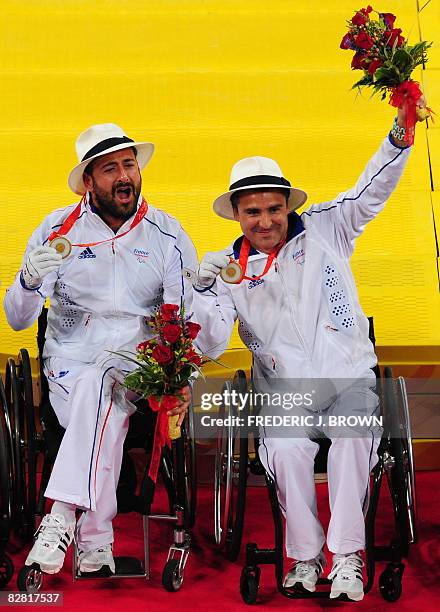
(244, 256)
(72, 218)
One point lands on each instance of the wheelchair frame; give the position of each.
(177, 468)
(232, 466)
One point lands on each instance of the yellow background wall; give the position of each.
(210, 82)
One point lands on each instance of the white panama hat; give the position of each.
(254, 173)
(99, 140)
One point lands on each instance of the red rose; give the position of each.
(363, 41)
(169, 312)
(193, 357)
(362, 16)
(391, 37)
(359, 61)
(192, 330)
(171, 332)
(346, 42)
(388, 19)
(162, 354)
(374, 65)
(359, 19)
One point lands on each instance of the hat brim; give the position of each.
(223, 208)
(144, 150)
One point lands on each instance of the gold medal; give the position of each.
(61, 246)
(232, 273)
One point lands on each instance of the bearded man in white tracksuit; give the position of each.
(299, 314)
(127, 258)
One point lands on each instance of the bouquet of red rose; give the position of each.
(166, 364)
(387, 61)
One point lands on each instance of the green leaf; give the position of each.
(121, 354)
(402, 59)
(365, 81)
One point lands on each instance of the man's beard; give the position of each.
(107, 204)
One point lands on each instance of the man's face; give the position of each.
(115, 183)
(263, 218)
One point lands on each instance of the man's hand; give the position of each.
(210, 267)
(40, 262)
(422, 113)
(182, 406)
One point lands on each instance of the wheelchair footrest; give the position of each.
(128, 565)
(124, 567)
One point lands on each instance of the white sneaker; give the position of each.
(94, 560)
(346, 576)
(54, 536)
(305, 573)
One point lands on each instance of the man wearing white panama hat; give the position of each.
(288, 281)
(114, 259)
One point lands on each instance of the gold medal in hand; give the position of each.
(232, 273)
(61, 246)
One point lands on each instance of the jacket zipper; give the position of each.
(114, 276)
(292, 317)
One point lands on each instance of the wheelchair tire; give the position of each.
(30, 438)
(408, 457)
(230, 477)
(249, 583)
(6, 570)
(222, 473)
(13, 399)
(30, 579)
(398, 477)
(237, 507)
(390, 582)
(190, 470)
(172, 578)
(6, 471)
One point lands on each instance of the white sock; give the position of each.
(65, 509)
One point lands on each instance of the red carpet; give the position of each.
(213, 582)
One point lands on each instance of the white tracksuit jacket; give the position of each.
(101, 294)
(303, 319)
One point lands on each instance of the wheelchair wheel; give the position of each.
(19, 395)
(6, 492)
(190, 470)
(408, 458)
(30, 437)
(172, 577)
(13, 400)
(249, 583)
(390, 582)
(231, 466)
(401, 476)
(30, 579)
(6, 468)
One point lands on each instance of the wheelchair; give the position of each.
(234, 463)
(35, 438)
(6, 491)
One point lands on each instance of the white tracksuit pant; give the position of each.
(91, 405)
(290, 461)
